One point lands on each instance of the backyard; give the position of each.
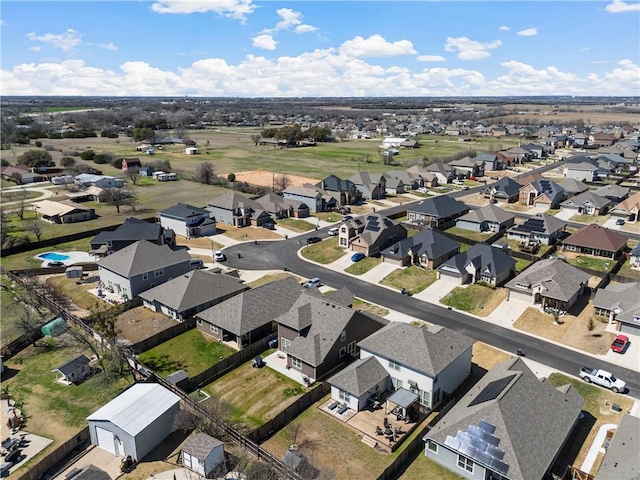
(476, 299)
(248, 397)
(192, 351)
(470, 234)
(413, 279)
(572, 329)
(27, 260)
(79, 294)
(323, 252)
(585, 261)
(141, 323)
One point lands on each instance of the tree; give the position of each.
(21, 203)
(133, 174)
(231, 177)
(144, 133)
(342, 135)
(68, 162)
(204, 173)
(591, 325)
(132, 202)
(255, 138)
(29, 323)
(4, 227)
(87, 154)
(35, 226)
(37, 158)
(115, 196)
(425, 160)
(281, 182)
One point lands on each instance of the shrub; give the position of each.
(16, 241)
(50, 148)
(55, 136)
(38, 143)
(87, 155)
(71, 153)
(486, 284)
(117, 163)
(100, 158)
(231, 177)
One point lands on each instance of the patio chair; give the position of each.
(342, 409)
(398, 430)
(386, 423)
(378, 430)
(333, 406)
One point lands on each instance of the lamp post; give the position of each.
(449, 301)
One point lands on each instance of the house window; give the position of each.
(424, 397)
(344, 396)
(213, 329)
(394, 366)
(296, 363)
(285, 343)
(158, 273)
(343, 336)
(465, 463)
(351, 348)
(343, 351)
(432, 446)
(199, 321)
(396, 383)
(343, 241)
(145, 277)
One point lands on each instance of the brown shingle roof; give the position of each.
(596, 236)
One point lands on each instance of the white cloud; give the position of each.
(65, 41)
(304, 28)
(264, 41)
(290, 20)
(236, 9)
(376, 46)
(625, 76)
(618, 6)
(470, 49)
(504, 28)
(528, 32)
(108, 46)
(430, 58)
(584, 49)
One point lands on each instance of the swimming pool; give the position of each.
(53, 256)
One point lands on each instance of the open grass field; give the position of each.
(248, 397)
(323, 252)
(363, 266)
(192, 351)
(475, 299)
(414, 279)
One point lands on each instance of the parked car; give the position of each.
(311, 240)
(457, 182)
(196, 264)
(344, 210)
(269, 226)
(332, 232)
(356, 257)
(218, 256)
(620, 344)
(313, 282)
(602, 378)
(493, 178)
(422, 190)
(465, 187)
(473, 178)
(346, 218)
(620, 221)
(55, 263)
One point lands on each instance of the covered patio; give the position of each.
(401, 403)
(278, 361)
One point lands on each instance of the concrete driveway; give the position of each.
(343, 262)
(508, 312)
(378, 272)
(565, 214)
(611, 224)
(107, 461)
(437, 290)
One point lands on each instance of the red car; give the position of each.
(620, 343)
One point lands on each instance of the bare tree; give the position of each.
(132, 202)
(204, 173)
(21, 205)
(115, 196)
(281, 182)
(29, 322)
(342, 135)
(35, 226)
(4, 227)
(255, 138)
(425, 160)
(133, 174)
(591, 325)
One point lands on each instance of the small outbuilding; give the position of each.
(74, 272)
(202, 453)
(74, 371)
(191, 151)
(135, 421)
(54, 328)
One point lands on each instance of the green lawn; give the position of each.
(272, 277)
(521, 264)
(423, 468)
(363, 266)
(191, 351)
(414, 279)
(27, 259)
(295, 224)
(78, 293)
(589, 219)
(472, 299)
(328, 216)
(600, 264)
(470, 234)
(323, 252)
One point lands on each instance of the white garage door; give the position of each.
(450, 276)
(525, 297)
(105, 439)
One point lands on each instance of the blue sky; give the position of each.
(253, 48)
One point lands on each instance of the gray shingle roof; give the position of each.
(200, 445)
(72, 365)
(551, 189)
(613, 191)
(621, 457)
(485, 259)
(343, 296)
(588, 196)
(335, 184)
(254, 308)
(506, 185)
(142, 257)
(424, 350)
(571, 185)
(193, 289)
(558, 279)
(548, 226)
(91, 472)
(359, 377)
(532, 418)
(375, 225)
(183, 210)
(132, 229)
(622, 296)
(233, 201)
(441, 206)
(431, 243)
(488, 213)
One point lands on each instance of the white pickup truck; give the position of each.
(602, 378)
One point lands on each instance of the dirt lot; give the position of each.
(139, 323)
(266, 179)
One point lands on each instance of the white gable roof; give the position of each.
(137, 407)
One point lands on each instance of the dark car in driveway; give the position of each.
(356, 257)
(311, 240)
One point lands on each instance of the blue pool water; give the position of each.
(53, 256)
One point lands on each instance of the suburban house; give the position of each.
(481, 262)
(602, 139)
(408, 180)
(504, 190)
(469, 167)
(313, 197)
(617, 462)
(131, 231)
(202, 453)
(634, 257)
(620, 303)
(542, 193)
(135, 421)
(390, 142)
(429, 362)
(373, 233)
(519, 154)
(248, 316)
(349, 230)
(428, 248)
(444, 173)
(370, 185)
(550, 282)
(542, 228)
(490, 160)
(279, 207)
(74, 371)
(586, 203)
(627, 210)
(187, 221)
(186, 295)
(130, 163)
(583, 169)
(141, 266)
(394, 186)
(100, 181)
(318, 335)
(596, 240)
(237, 210)
(429, 179)
(572, 187)
(486, 219)
(436, 212)
(509, 425)
(63, 211)
(615, 193)
(344, 191)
